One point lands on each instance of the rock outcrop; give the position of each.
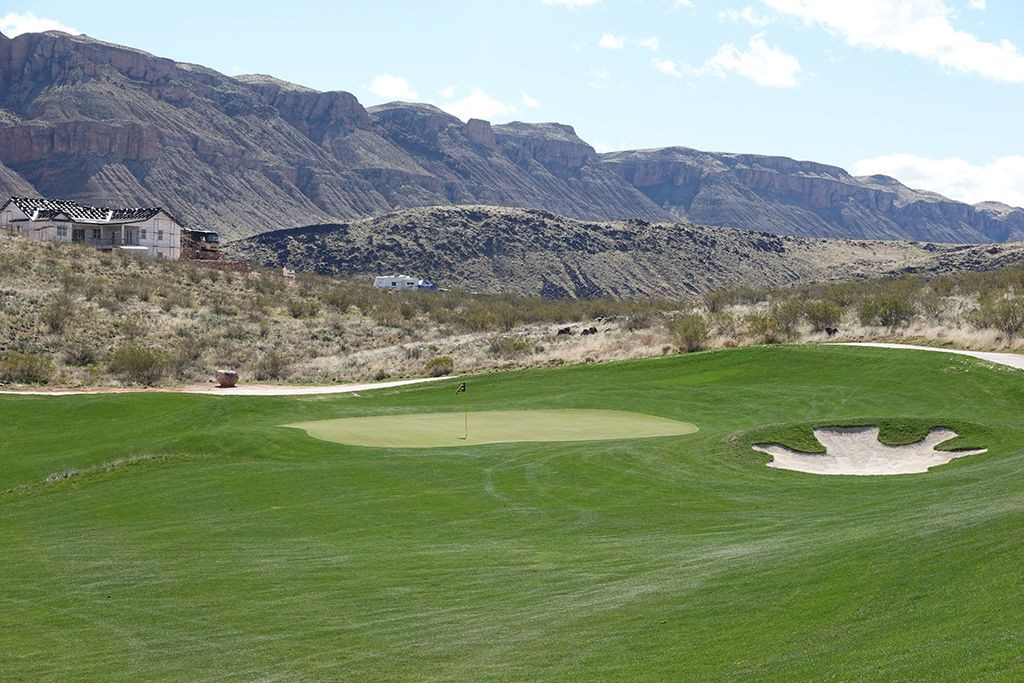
(493, 249)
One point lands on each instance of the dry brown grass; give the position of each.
(81, 308)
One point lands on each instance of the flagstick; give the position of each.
(465, 409)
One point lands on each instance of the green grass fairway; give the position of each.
(431, 430)
(180, 537)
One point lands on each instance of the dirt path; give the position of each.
(1012, 360)
(244, 390)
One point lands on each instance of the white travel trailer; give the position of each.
(396, 282)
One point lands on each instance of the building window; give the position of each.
(96, 233)
(159, 235)
(62, 231)
(142, 233)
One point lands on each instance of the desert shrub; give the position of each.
(822, 314)
(931, 304)
(440, 365)
(139, 364)
(788, 316)
(80, 353)
(639, 321)
(186, 353)
(388, 313)
(724, 324)
(303, 308)
(887, 310)
(843, 294)
(58, 312)
(477, 318)
(222, 304)
(689, 331)
(26, 368)
(70, 282)
(1005, 314)
(717, 300)
(510, 346)
(271, 365)
(766, 328)
(407, 309)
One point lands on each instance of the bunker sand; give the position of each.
(857, 451)
(433, 430)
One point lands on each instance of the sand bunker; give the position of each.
(857, 450)
(431, 430)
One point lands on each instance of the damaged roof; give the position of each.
(40, 209)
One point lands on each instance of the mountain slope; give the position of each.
(533, 252)
(81, 119)
(784, 196)
(89, 121)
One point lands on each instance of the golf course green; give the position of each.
(431, 430)
(182, 537)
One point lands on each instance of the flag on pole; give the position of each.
(462, 388)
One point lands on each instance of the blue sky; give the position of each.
(927, 90)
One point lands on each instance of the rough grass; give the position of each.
(680, 558)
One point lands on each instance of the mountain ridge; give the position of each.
(87, 120)
(528, 251)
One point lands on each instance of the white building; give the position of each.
(402, 283)
(152, 231)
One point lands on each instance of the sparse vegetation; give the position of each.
(25, 368)
(75, 306)
(137, 364)
(271, 365)
(439, 366)
(690, 331)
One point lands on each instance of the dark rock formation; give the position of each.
(495, 249)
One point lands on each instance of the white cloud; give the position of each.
(478, 105)
(574, 4)
(602, 147)
(682, 3)
(14, 24)
(748, 14)
(976, 4)
(921, 28)
(668, 67)
(1001, 180)
(611, 42)
(386, 85)
(761, 63)
(529, 101)
(447, 92)
(651, 44)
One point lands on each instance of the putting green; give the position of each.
(431, 430)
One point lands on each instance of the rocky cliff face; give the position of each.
(85, 120)
(495, 249)
(99, 123)
(784, 196)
